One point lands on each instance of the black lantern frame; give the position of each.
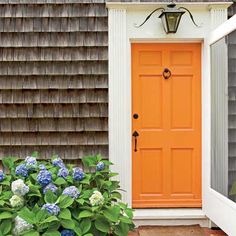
(171, 17)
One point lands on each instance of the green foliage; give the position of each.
(233, 189)
(96, 211)
(9, 163)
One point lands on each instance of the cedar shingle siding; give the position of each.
(53, 78)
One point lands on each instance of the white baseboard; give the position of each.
(166, 217)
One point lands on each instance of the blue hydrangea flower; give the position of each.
(67, 232)
(22, 170)
(2, 176)
(63, 172)
(51, 187)
(78, 173)
(100, 166)
(42, 167)
(44, 177)
(52, 208)
(58, 162)
(31, 162)
(72, 192)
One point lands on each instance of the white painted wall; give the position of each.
(153, 29)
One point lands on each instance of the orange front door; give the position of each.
(167, 117)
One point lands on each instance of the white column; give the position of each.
(119, 101)
(218, 15)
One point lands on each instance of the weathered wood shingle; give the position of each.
(53, 78)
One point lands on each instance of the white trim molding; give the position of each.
(180, 216)
(119, 100)
(122, 33)
(150, 5)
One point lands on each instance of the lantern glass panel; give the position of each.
(163, 19)
(173, 19)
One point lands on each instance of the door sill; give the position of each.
(170, 216)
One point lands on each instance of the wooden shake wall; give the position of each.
(53, 78)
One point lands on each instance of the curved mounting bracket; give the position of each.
(170, 6)
(161, 8)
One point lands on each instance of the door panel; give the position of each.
(181, 181)
(151, 118)
(167, 163)
(181, 103)
(154, 171)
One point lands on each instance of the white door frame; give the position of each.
(217, 207)
(120, 121)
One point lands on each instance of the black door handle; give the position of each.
(135, 135)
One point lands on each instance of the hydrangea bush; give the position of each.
(51, 198)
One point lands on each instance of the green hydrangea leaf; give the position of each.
(68, 224)
(65, 214)
(50, 197)
(41, 215)
(112, 213)
(5, 226)
(103, 225)
(50, 219)
(129, 212)
(52, 233)
(59, 181)
(2, 203)
(65, 201)
(86, 180)
(9, 162)
(122, 229)
(85, 225)
(6, 195)
(54, 226)
(27, 215)
(126, 220)
(116, 195)
(80, 201)
(5, 215)
(77, 228)
(85, 214)
(6, 181)
(86, 193)
(31, 233)
(89, 161)
(112, 174)
(34, 176)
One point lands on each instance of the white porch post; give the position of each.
(119, 101)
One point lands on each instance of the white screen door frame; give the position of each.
(220, 209)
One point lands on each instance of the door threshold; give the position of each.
(170, 216)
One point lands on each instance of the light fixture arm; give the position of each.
(161, 8)
(190, 15)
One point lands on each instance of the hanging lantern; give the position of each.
(170, 17)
